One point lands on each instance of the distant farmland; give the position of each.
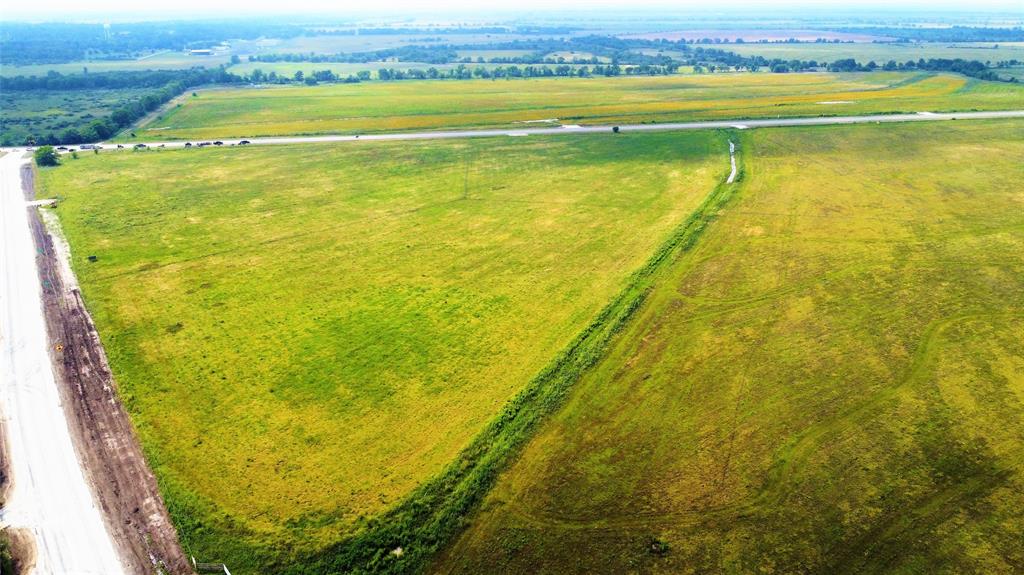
(380, 106)
(303, 335)
(883, 52)
(832, 381)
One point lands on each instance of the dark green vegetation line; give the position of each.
(401, 540)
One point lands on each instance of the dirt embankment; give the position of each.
(108, 447)
(5, 464)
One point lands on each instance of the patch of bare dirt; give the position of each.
(104, 437)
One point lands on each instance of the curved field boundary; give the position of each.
(403, 539)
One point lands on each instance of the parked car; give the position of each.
(244, 142)
(87, 147)
(218, 143)
(138, 146)
(62, 148)
(188, 144)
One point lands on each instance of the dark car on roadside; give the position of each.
(244, 142)
(218, 143)
(139, 146)
(62, 148)
(188, 144)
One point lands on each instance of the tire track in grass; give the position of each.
(405, 538)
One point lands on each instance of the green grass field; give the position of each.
(303, 335)
(831, 381)
(381, 106)
(883, 52)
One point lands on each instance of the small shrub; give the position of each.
(47, 156)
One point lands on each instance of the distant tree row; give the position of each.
(463, 72)
(537, 51)
(112, 80)
(971, 68)
(434, 55)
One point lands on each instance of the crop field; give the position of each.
(43, 111)
(380, 106)
(883, 52)
(303, 335)
(830, 381)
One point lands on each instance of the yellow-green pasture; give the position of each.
(303, 335)
(417, 105)
(831, 381)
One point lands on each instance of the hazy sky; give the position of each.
(62, 9)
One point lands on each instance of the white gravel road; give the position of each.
(50, 496)
(575, 129)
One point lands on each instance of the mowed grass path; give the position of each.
(831, 382)
(304, 334)
(430, 105)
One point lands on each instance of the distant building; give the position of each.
(204, 52)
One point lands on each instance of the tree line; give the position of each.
(463, 72)
(972, 68)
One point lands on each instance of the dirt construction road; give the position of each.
(50, 496)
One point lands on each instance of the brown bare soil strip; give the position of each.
(104, 438)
